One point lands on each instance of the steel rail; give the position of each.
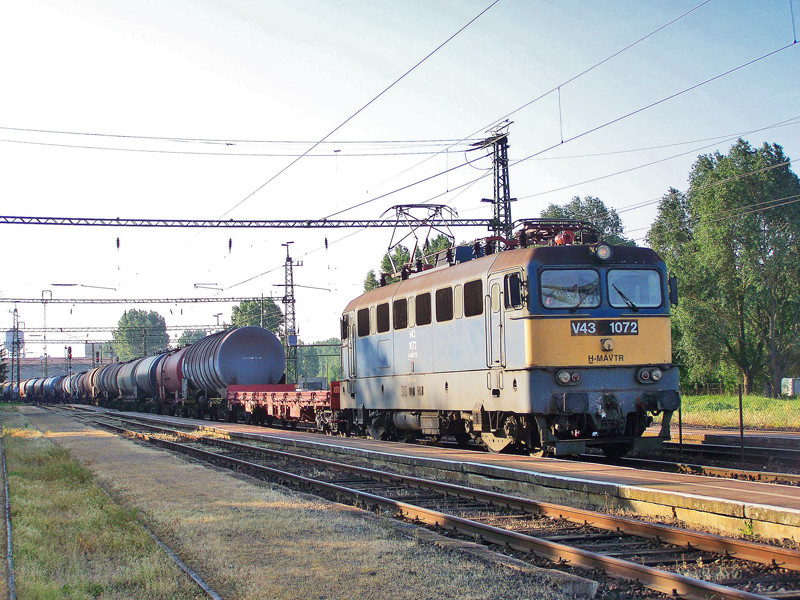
(695, 469)
(662, 581)
(762, 453)
(12, 586)
(741, 549)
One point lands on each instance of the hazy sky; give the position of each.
(178, 109)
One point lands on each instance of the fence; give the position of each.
(737, 415)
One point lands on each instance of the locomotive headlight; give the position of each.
(603, 252)
(563, 377)
(649, 375)
(575, 377)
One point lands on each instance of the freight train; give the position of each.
(558, 343)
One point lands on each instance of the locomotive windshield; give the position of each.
(570, 288)
(634, 288)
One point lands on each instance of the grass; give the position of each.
(253, 541)
(758, 412)
(71, 540)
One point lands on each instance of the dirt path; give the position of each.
(249, 540)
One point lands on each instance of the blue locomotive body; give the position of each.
(550, 348)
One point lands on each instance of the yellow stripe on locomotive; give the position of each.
(582, 342)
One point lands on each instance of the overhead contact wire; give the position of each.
(360, 110)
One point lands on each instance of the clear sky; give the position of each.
(260, 81)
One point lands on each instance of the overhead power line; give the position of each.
(226, 141)
(732, 213)
(148, 328)
(360, 110)
(329, 154)
(129, 300)
(578, 136)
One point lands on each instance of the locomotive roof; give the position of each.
(508, 259)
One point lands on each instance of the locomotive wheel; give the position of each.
(377, 432)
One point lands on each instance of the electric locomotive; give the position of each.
(550, 347)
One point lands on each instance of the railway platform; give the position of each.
(726, 506)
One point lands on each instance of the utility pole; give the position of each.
(46, 295)
(502, 224)
(289, 321)
(15, 354)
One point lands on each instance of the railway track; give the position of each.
(664, 461)
(759, 455)
(668, 560)
(724, 472)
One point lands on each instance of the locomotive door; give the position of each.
(495, 335)
(348, 346)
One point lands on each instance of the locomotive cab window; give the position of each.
(444, 304)
(634, 288)
(400, 313)
(569, 288)
(383, 317)
(345, 327)
(423, 308)
(363, 322)
(473, 298)
(513, 290)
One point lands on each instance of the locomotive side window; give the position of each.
(345, 327)
(444, 304)
(570, 288)
(458, 302)
(383, 317)
(495, 294)
(400, 313)
(423, 306)
(513, 290)
(473, 298)
(634, 288)
(363, 322)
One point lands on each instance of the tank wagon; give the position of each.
(194, 380)
(554, 347)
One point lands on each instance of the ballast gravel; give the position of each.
(250, 539)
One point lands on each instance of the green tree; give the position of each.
(437, 244)
(320, 359)
(260, 313)
(191, 336)
(307, 360)
(371, 281)
(140, 333)
(594, 211)
(401, 257)
(734, 240)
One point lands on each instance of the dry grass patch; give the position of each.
(71, 540)
(250, 540)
